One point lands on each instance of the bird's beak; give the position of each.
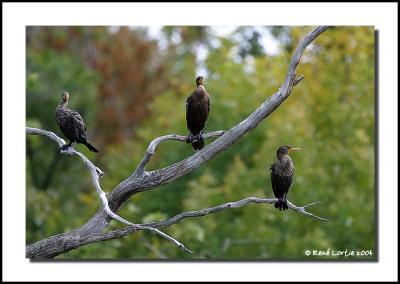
(293, 149)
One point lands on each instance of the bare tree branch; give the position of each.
(120, 233)
(96, 173)
(229, 205)
(142, 180)
(51, 135)
(153, 145)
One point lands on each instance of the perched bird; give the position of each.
(282, 172)
(71, 124)
(197, 110)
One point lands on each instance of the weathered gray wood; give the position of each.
(73, 241)
(153, 145)
(96, 174)
(142, 180)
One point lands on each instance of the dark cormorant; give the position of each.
(71, 124)
(197, 109)
(282, 172)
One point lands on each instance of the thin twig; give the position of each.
(298, 80)
(302, 210)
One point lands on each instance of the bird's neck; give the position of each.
(202, 92)
(284, 157)
(63, 104)
(285, 163)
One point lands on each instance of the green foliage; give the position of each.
(330, 115)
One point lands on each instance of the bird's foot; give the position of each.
(282, 204)
(65, 147)
(190, 138)
(193, 138)
(201, 135)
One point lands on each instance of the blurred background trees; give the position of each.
(131, 83)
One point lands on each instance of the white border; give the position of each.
(16, 16)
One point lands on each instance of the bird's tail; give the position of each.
(198, 142)
(91, 147)
(281, 205)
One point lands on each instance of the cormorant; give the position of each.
(282, 172)
(197, 110)
(71, 124)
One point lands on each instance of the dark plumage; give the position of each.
(197, 110)
(282, 172)
(71, 124)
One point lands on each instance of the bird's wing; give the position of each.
(209, 104)
(188, 102)
(77, 120)
(280, 184)
(76, 115)
(189, 112)
(272, 167)
(273, 177)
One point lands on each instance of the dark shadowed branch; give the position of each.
(142, 180)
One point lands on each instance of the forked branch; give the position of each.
(153, 145)
(77, 241)
(96, 174)
(141, 180)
